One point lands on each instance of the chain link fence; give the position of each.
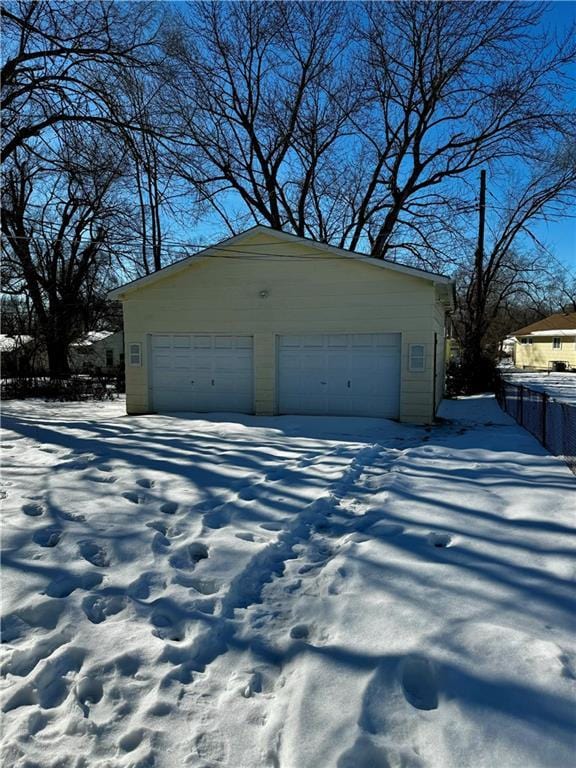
(62, 388)
(551, 421)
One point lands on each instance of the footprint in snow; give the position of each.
(24, 660)
(210, 746)
(132, 740)
(63, 586)
(160, 543)
(168, 531)
(72, 516)
(164, 624)
(271, 526)
(418, 680)
(135, 498)
(145, 585)
(386, 529)
(24, 696)
(189, 556)
(103, 479)
(216, 519)
(89, 690)
(94, 553)
(97, 608)
(249, 493)
(79, 464)
(245, 536)
(145, 482)
(300, 632)
(161, 709)
(169, 508)
(35, 509)
(568, 663)
(47, 537)
(337, 584)
(54, 681)
(439, 540)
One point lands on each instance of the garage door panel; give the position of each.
(350, 374)
(202, 372)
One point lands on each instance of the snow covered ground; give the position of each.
(561, 386)
(293, 592)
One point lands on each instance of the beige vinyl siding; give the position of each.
(541, 353)
(307, 294)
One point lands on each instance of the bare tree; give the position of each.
(54, 55)
(253, 93)
(508, 271)
(355, 124)
(56, 233)
(453, 86)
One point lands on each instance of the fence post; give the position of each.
(521, 406)
(544, 415)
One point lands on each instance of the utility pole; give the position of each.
(475, 295)
(481, 226)
(478, 288)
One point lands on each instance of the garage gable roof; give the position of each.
(233, 245)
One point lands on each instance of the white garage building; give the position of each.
(270, 323)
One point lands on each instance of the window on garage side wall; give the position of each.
(416, 357)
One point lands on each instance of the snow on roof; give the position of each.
(9, 343)
(92, 337)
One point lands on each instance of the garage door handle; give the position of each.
(348, 384)
(322, 382)
(192, 381)
(212, 382)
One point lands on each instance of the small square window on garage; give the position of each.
(416, 357)
(556, 342)
(135, 354)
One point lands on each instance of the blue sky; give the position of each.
(560, 236)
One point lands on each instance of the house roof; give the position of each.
(9, 343)
(234, 245)
(559, 323)
(92, 337)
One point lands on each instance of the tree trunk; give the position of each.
(477, 366)
(58, 364)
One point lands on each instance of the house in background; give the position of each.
(97, 350)
(271, 323)
(17, 354)
(548, 344)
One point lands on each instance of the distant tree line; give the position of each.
(127, 126)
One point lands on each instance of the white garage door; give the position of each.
(340, 374)
(202, 372)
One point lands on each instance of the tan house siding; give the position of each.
(541, 353)
(306, 294)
